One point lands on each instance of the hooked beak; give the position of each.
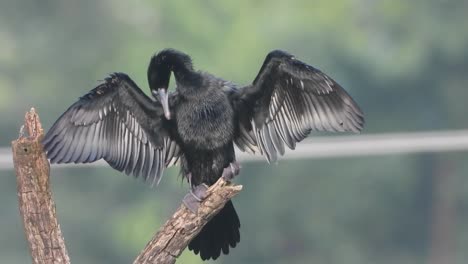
(164, 98)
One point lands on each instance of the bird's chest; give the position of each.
(205, 124)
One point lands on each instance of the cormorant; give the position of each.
(198, 125)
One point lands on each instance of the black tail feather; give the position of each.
(218, 235)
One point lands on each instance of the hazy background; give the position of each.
(404, 62)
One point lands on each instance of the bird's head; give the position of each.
(159, 74)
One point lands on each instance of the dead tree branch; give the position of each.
(172, 238)
(36, 206)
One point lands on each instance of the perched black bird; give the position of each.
(199, 124)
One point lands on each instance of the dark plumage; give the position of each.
(199, 124)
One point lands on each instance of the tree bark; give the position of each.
(172, 238)
(36, 206)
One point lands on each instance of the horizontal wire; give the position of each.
(335, 146)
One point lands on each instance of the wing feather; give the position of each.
(115, 121)
(286, 101)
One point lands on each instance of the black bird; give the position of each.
(198, 125)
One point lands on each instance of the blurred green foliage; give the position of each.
(405, 63)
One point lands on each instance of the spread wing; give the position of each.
(287, 100)
(116, 122)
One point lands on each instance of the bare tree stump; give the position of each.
(40, 223)
(172, 238)
(36, 206)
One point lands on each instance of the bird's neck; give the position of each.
(184, 75)
(189, 83)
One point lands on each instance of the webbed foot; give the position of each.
(231, 171)
(193, 199)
